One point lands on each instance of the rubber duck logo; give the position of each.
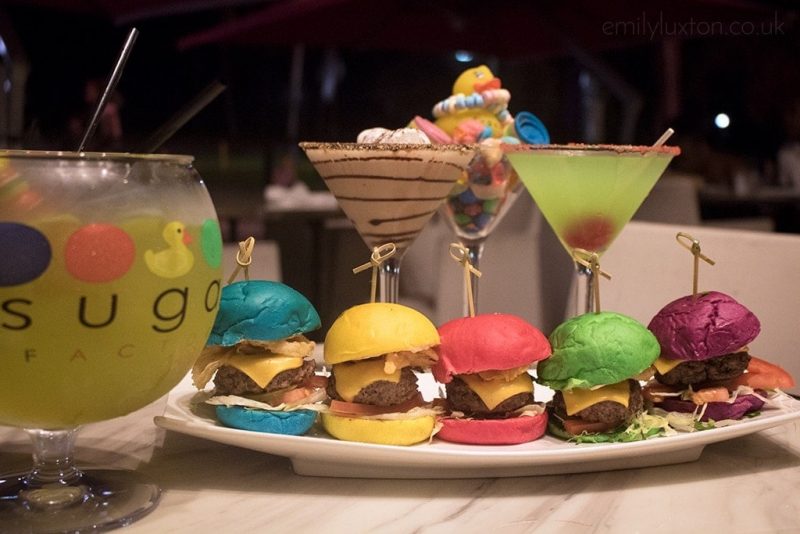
(177, 259)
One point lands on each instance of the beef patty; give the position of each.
(231, 381)
(609, 412)
(694, 372)
(381, 392)
(463, 399)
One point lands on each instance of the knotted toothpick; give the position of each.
(591, 260)
(460, 253)
(379, 255)
(693, 245)
(244, 257)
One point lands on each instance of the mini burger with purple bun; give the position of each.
(705, 367)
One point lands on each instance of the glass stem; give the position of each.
(584, 291)
(53, 458)
(389, 287)
(475, 251)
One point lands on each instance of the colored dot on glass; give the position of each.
(211, 243)
(99, 253)
(25, 254)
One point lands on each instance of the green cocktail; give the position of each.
(109, 284)
(588, 193)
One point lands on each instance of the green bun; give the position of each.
(262, 310)
(597, 349)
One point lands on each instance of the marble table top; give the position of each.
(747, 484)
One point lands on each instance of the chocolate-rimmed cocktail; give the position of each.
(389, 191)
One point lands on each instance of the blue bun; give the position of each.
(262, 310)
(294, 423)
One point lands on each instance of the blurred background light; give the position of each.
(464, 56)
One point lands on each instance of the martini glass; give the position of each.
(109, 284)
(478, 202)
(588, 193)
(389, 191)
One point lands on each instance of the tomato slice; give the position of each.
(713, 394)
(576, 426)
(762, 374)
(294, 395)
(355, 409)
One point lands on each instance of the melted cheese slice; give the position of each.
(578, 399)
(353, 377)
(493, 392)
(665, 365)
(262, 370)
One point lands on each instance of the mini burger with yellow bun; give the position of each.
(597, 361)
(260, 361)
(483, 363)
(373, 350)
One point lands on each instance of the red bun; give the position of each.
(711, 325)
(489, 342)
(509, 431)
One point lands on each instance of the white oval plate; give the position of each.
(317, 454)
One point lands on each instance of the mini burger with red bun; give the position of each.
(373, 350)
(483, 363)
(705, 367)
(260, 361)
(597, 361)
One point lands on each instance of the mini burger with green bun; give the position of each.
(260, 362)
(597, 361)
(372, 351)
(483, 363)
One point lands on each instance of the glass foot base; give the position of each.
(101, 500)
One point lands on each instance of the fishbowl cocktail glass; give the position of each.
(109, 284)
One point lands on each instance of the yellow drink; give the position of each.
(102, 311)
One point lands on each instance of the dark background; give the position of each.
(753, 78)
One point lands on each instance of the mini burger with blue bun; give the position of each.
(260, 362)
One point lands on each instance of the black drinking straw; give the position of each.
(110, 86)
(181, 117)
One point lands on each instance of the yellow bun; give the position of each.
(369, 330)
(380, 431)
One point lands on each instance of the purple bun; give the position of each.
(711, 325)
(743, 405)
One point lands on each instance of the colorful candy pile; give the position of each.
(477, 112)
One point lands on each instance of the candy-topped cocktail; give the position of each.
(588, 193)
(389, 191)
(477, 112)
(109, 284)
